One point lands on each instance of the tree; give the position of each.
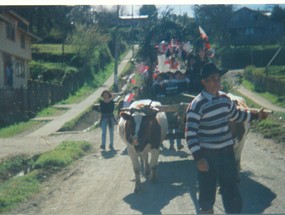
(86, 40)
(105, 19)
(149, 10)
(214, 20)
(278, 14)
(51, 23)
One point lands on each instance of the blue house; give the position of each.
(250, 27)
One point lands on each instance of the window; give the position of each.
(23, 41)
(236, 17)
(274, 29)
(254, 17)
(10, 31)
(19, 68)
(249, 31)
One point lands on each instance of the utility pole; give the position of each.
(116, 88)
(275, 55)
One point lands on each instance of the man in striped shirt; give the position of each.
(210, 141)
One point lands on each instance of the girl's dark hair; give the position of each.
(106, 91)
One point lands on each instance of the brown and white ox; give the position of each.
(239, 130)
(143, 128)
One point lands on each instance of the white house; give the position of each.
(15, 50)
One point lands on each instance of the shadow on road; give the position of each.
(256, 197)
(109, 154)
(175, 178)
(174, 153)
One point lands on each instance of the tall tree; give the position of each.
(149, 10)
(51, 23)
(278, 14)
(214, 20)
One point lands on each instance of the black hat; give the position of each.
(209, 69)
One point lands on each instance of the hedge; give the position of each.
(240, 57)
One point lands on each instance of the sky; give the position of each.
(182, 8)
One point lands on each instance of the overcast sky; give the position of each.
(180, 6)
(181, 9)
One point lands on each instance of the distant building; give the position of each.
(249, 27)
(132, 20)
(15, 50)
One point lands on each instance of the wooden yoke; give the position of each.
(173, 108)
(255, 110)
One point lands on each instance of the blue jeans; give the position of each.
(104, 124)
(222, 171)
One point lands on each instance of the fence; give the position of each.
(24, 103)
(267, 84)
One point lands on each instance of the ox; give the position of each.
(143, 128)
(239, 130)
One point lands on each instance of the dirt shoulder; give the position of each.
(232, 75)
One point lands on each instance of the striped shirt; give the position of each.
(207, 122)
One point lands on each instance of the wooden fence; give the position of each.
(267, 84)
(24, 103)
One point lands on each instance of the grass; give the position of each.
(17, 128)
(53, 48)
(12, 166)
(62, 155)
(269, 96)
(50, 111)
(274, 126)
(79, 95)
(16, 189)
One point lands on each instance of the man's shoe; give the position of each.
(102, 147)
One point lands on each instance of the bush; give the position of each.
(242, 56)
(51, 72)
(273, 83)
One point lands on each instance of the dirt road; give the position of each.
(103, 183)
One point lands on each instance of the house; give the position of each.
(249, 27)
(15, 50)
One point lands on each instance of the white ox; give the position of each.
(143, 129)
(239, 130)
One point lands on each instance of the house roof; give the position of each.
(21, 19)
(244, 22)
(18, 17)
(34, 37)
